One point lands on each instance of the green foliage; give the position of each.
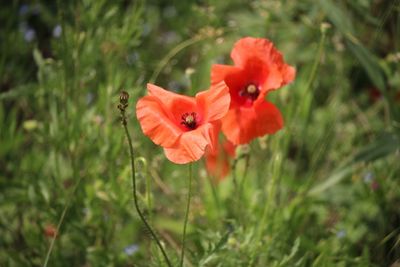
(323, 191)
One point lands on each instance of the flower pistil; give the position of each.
(189, 120)
(250, 91)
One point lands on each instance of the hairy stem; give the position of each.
(187, 214)
(134, 193)
(60, 222)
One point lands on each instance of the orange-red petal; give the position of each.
(167, 97)
(214, 102)
(220, 72)
(242, 125)
(191, 145)
(217, 162)
(249, 48)
(176, 104)
(157, 122)
(248, 52)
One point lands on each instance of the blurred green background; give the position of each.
(323, 191)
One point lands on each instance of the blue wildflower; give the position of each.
(29, 35)
(368, 177)
(23, 10)
(57, 30)
(131, 249)
(341, 234)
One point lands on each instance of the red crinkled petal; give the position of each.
(249, 47)
(176, 104)
(191, 145)
(157, 122)
(242, 125)
(220, 72)
(217, 162)
(214, 103)
(249, 53)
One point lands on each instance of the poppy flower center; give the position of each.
(250, 91)
(189, 120)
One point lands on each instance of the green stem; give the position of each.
(171, 54)
(186, 215)
(215, 194)
(60, 222)
(242, 181)
(236, 201)
(148, 194)
(135, 198)
(316, 63)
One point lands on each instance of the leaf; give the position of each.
(384, 145)
(337, 16)
(293, 252)
(369, 62)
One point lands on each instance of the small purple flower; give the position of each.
(131, 249)
(23, 10)
(341, 234)
(175, 86)
(57, 30)
(29, 35)
(132, 58)
(89, 98)
(368, 177)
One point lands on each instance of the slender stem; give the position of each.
(135, 198)
(215, 194)
(241, 185)
(60, 222)
(187, 214)
(234, 176)
(171, 54)
(242, 181)
(148, 194)
(237, 201)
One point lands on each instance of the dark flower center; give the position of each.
(189, 120)
(250, 91)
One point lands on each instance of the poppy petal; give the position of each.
(191, 145)
(220, 72)
(242, 125)
(175, 104)
(156, 122)
(260, 56)
(278, 76)
(214, 102)
(273, 81)
(249, 47)
(269, 119)
(217, 162)
(289, 73)
(168, 98)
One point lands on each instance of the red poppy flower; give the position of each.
(217, 161)
(258, 68)
(184, 126)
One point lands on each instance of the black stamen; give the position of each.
(250, 91)
(189, 120)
